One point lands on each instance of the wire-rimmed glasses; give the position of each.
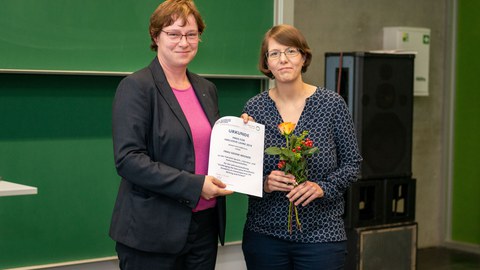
(191, 37)
(289, 52)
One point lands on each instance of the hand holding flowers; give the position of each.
(293, 163)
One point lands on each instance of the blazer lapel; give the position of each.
(167, 93)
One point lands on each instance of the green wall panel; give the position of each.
(466, 174)
(56, 135)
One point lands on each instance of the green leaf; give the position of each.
(287, 153)
(288, 167)
(273, 151)
(293, 141)
(311, 151)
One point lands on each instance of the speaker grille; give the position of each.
(386, 145)
(378, 89)
(387, 119)
(386, 247)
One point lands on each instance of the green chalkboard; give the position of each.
(109, 35)
(56, 135)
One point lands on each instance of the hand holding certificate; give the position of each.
(236, 155)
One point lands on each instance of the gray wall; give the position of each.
(352, 25)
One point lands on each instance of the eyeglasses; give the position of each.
(289, 52)
(177, 37)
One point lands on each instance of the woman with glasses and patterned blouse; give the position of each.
(312, 235)
(169, 213)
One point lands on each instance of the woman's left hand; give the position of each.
(305, 193)
(246, 118)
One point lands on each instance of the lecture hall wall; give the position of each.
(445, 124)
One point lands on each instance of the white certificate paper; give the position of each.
(236, 155)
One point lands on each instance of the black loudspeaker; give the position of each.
(386, 247)
(378, 89)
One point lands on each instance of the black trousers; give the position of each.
(199, 253)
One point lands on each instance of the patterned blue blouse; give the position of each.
(334, 168)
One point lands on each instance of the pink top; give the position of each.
(201, 131)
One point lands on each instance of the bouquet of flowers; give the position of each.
(293, 160)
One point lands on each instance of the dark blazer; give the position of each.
(154, 155)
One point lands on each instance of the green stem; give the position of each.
(299, 225)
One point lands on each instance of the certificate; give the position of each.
(236, 155)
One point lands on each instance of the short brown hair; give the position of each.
(168, 12)
(286, 35)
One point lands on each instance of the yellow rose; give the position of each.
(286, 128)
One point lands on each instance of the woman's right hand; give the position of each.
(279, 181)
(213, 187)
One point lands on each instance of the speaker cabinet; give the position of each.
(400, 196)
(364, 204)
(378, 89)
(380, 201)
(387, 247)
